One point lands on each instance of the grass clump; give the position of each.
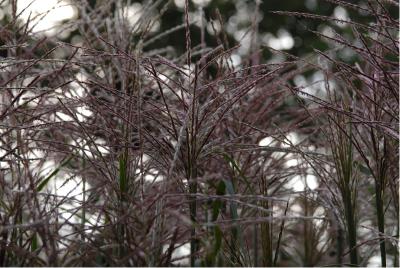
(117, 150)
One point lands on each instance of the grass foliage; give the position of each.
(186, 159)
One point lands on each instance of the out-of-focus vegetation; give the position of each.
(199, 132)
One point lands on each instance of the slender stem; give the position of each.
(255, 242)
(396, 252)
(381, 220)
(307, 234)
(266, 240)
(351, 226)
(193, 215)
